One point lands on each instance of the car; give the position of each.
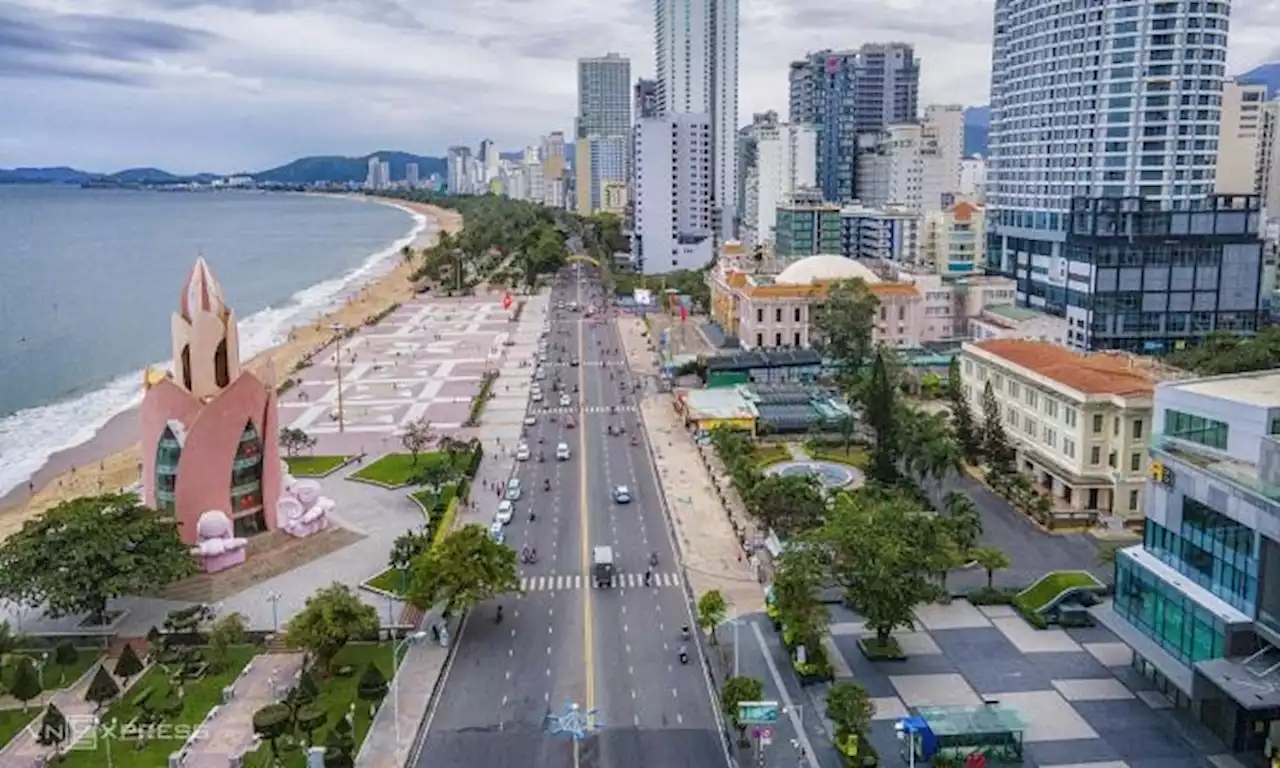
(568, 422)
(541, 375)
(622, 494)
(530, 420)
(536, 396)
(506, 513)
(496, 533)
(513, 489)
(574, 362)
(522, 452)
(542, 357)
(562, 452)
(565, 401)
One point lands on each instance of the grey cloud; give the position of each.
(921, 19)
(388, 12)
(74, 46)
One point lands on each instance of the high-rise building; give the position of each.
(411, 175)
(378, 175)
(696, 48)
(490, 161)
(1249, 145)
(672, 207)
(645, 102)
(946, 121)
(783, 164)
(973, 179)
(459, 167)
(847, 93)
(602, 151)
(1105, 214)
(904, 165)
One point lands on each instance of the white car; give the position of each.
(542, 357)
(565, 402)
(622, 494)
(536, 396)
(522, 452)
(496, 533)
(530, 420)
(540, 375)
(513, 489)
(506, 512)
(562, 452)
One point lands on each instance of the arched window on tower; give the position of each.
(186, 366)
(221, 372)
(246, 485)
(168, 452)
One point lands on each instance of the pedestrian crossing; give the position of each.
(588, 409)
(567, 582)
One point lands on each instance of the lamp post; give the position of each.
(274, 599)
(412, 637)
(338, 330)
(97, 726)
(44, 659)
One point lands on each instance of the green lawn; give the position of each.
(201, 696)
(396, 470)
(12, 721)
(1035, 597)
(389, 580)
(766, 455)
(336, 696)
(854, 457)
(435, 503)
(314, 466)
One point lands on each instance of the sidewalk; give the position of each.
(230, 730)
(23, 748)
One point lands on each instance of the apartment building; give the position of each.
(953, 240)
(1238, 138)
(673, 204)
(1079, 422)
(1199, 599)
(780, 165)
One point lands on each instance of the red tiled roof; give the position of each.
(1094, 374)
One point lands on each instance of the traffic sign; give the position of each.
(763, 733)
(758, 712)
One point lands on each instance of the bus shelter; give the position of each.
(990, 730)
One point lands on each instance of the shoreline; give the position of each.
(109, 460)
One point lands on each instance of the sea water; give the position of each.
(90, 278)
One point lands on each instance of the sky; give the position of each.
(244, 85)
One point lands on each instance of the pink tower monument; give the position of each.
(209, 437)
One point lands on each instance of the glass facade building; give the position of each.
(1163, 612)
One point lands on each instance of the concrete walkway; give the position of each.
(23, 749)
(229, 733)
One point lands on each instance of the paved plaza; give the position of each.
(425, 360)
(1082, 703)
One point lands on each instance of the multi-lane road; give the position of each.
(613, 650)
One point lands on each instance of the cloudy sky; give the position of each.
(227, 85)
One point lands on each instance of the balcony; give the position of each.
(1240, 474)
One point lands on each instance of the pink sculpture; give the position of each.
(301, 510)
(209, 432)
(217, 548)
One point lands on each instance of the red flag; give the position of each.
(684, 313)
(506, 300)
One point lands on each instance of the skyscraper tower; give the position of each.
(847, 93)
(696, 49)
(1100, 179)
(603, 149)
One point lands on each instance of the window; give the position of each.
(777, 315)
(1011, 416)
(797, 314)
(1030, 426)
(1166, 615)
(1014, 391)
(797, 339)
(1133, 501)
(1195, 429)
(1032, 398)
(759, 315)
(968, 367)
(1137, 429)
(1051, 407)
(1051, 437)
(1095, 455)
(999, 383)
(1069, 416)
(1115, 426)
(1097, 423)
(1135, 462)
(1069, 447)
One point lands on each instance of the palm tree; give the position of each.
(991, 560)
(963, 521)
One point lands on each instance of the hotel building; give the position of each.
(603, 128)
(1100, 179)
(1078, 422)
(673, 211)
(1199, 599)
(781, 166)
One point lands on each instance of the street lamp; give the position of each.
(338, 329)
(97, 726)
(274, 599)
(412, 637)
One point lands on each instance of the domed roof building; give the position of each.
(825, 268)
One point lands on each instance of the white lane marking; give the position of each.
(790, 709)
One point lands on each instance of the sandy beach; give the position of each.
(109, 461)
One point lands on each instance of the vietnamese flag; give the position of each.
(684, 313)
(506, 300)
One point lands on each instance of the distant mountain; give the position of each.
(64, 175)
(1267, 74)
(332, 168)
(977, 124)
(60, 175)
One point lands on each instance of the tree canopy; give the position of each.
(846, 325)
(78, 555)
(331, 618)
(1223, 353)
(788, 504)
(465, 568)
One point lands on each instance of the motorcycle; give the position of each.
(497, 617)
(684, 655)
(684, 633)
(546, 485)
(653, 559)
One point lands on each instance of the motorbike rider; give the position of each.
(497, 617)
(546, 484)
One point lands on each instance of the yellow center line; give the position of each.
(588, 608)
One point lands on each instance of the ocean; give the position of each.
(90, 278)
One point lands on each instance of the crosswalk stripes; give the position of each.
(588, 409)
(565, 582)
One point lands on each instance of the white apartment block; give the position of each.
(378, 175)
(1079, 423)
(1238, 138)
(973, 179)
(786, 164)
(904, 165)
(947, 122)
(696, 50)
(890, 234)
(673, 214)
